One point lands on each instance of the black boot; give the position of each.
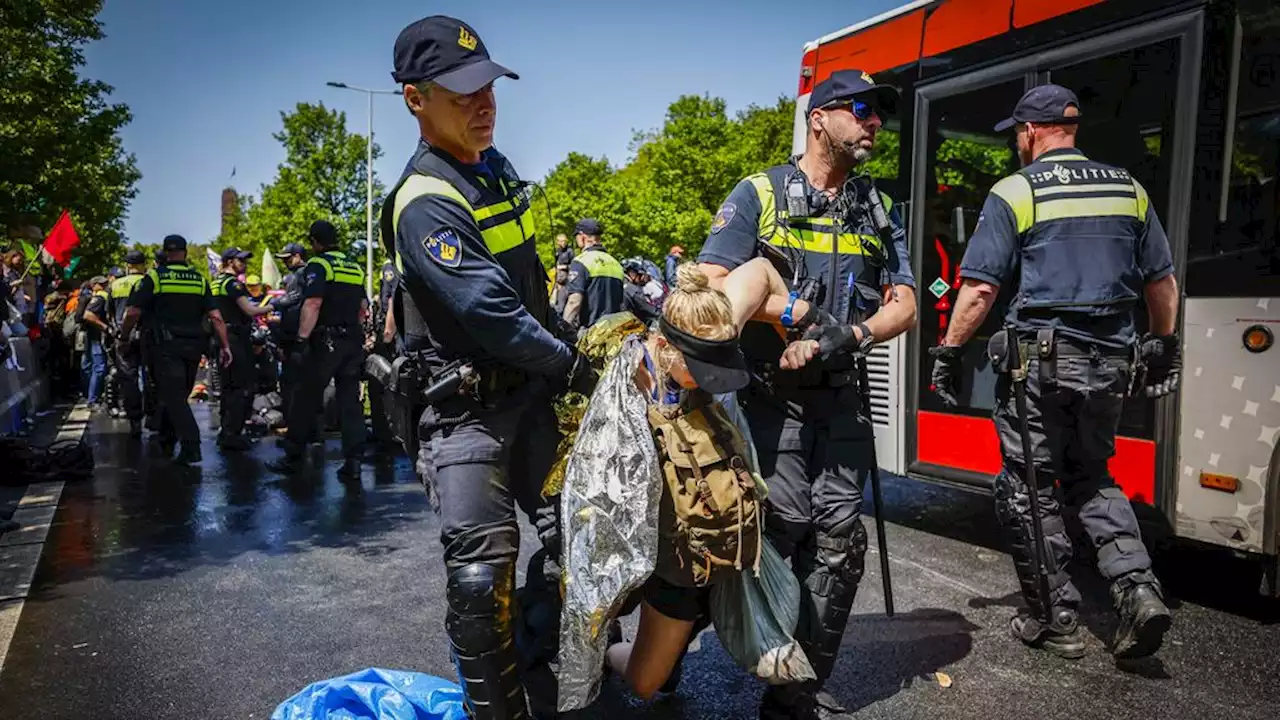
(290, 464)
(234, 443)
(1144, 619)
(188, 455)
(1061, 637)
(350, 469)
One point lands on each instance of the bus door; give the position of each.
(1137, 113)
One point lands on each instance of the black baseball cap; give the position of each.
(235, 254)
(115, 272)
(447, 52)
(134, 257)
(97, 280)
(292, 248)
(845, 85)
(173, 242)
(323, 233)
(589, 226)
(1043, 104)
(158, 256)
(716, 365)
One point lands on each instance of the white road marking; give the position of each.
(35, 512)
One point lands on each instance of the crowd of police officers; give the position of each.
(465, 302)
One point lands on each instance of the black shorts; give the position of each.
(674, 601)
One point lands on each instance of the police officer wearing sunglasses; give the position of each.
(472, 303)
(840, 244)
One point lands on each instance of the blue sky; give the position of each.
(206, 81)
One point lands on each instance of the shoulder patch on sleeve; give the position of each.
(445, 247)
(723, 217)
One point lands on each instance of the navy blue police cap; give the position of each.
(589, 226)
(447, 52)
(115, 272)
(844, 85)
(1043, 104)
(173, 243)
(134, 257)
(235, 254)
(292, 248)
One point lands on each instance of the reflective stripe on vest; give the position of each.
(177, 280)
(219, 287)
(337, 268)
(600, 265)
(814, 234)
(123, 286)
(502, 225)
(101, 293)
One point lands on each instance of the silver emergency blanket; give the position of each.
(609, 505)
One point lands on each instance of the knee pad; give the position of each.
(479, 597)
(842, 552)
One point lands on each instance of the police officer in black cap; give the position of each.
(175, 298)
(1081, 245)
(238, 310)
(840, 245)
(289, 305)
(472, 303)
(126, 351)
(595, 284)
(329, 346)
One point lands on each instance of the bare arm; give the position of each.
(252, 309)
(972, 305)
(93, 319)
(220, 328)
(310, 314)
(897, 313)
(389, 327)
(769, 311)
(1162, 305)
(130, 319)
(572, 308)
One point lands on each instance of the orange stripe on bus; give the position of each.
(961, 22)
(894, 43)
(970, 443)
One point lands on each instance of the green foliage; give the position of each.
(59, 136)
(680, 173)
(322, 177)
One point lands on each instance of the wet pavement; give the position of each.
(217, 592)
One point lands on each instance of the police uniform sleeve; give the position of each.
(237, 290)
(898, 262)
(577, 278)
(993, 250)
(444, 254)
(1154, 257)
(98, 306)
(209, 303)
(735, 229)
(314, 281)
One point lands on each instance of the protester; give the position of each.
(672, 260)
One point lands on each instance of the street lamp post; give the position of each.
(368, 209)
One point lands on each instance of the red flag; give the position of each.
(62, 240)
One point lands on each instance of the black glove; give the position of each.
(832, 339)
(300, 352)
(945, 379)
(1162, 356)
(582, 377)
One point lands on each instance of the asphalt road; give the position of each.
(218, 592)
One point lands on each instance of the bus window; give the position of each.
(1127, 109)
(965, 157)
(1241, 256)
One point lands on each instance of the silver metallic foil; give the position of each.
(612, 492)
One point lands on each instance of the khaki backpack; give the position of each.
(709, 522)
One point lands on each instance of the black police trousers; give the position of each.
(1072, 421)
(176, 362)
(337, 355)
(478, 462)
(128, 380)
(816, 450)
(236, 383)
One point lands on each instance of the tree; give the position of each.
(59, 134)
(322, 177)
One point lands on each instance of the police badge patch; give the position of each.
(444, 247)
(723, 217)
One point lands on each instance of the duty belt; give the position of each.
(1046, 346)
(810, 376)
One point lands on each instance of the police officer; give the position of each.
(1080, 244)
(473, 294)
(176, 299)
(384, 344)
(595, 286)
(289, 306)
(329, 346)
(634, 300)
(238, 310)
(126, 350)
(110, 383)
(843, 248)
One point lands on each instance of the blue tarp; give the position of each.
(376, 694)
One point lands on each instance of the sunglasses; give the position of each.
(860, 108)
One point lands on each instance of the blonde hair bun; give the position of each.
(691, 279)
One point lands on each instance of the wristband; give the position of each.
(868, 339)
(788, 320)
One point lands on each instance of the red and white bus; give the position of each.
(1184, 94)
